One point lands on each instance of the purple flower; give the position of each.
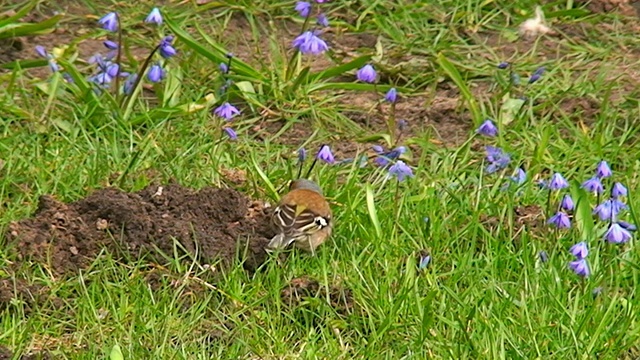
(536, 75)
(166, 50)
(326, 155)
(603, 210)
(109, 22)
(309, 43)
(580, 250)
(42, 51)
(402, 124)
(487, 128)
(543, 256)
(111, 45)
(557, 182)
(603, 170)
(127, 87)
(226, 111)
(112, 70)
(367, 74)
(593, 185)
(156, 73)
(322, 20)
(560, 220)
(302, 155)
(53, 65)
(580, 267)
(627, 226)
(424, 262)
(224, 68)
(231, 133)
(497, 159)
(154, 17)
(400, 170)
(567, 203)
(391, 95)
(618, 190)
(520, 177)
(386, 158)
(617, 234)
(102, 79)
(617, 206)
(378, 149)
(503, 65)
(303, 8)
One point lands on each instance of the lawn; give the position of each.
(480, 158)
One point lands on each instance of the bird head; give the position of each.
(305, 184)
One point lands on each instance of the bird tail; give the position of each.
(279, 242)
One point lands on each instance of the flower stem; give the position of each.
(144, 67)
(118, 58)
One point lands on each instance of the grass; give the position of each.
(485, 294)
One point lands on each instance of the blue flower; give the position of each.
(156, 73)
(567, 203)
(303, 8)
(386, 157)
(503, 65)
(302, 155)
(580, 267)
(593, 185)
(154, 17)
(557, 182)
(322, 20)
(224, 68)
(603, 170)
(424, 262)
(309, 43)
(111, 45)
(617, 234)
(109, 22)
(543, 256)
(627, 226)
(497, 159)
(231, 133)
(580, 250)
(166, 50)
(391, 95)
(127, 87)
(42, 51)
(604, 210)
(537, 75)
(487, 128)
(400, 170)
(326, 155)
(226, 111)
(520, 177)
(367, 74)
(618, 190)
(560, 220)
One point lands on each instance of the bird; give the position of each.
(302, 218)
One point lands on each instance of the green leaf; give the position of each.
(24, 64)
(373, 214)
(22, 29)
(116, 353)
(302, 78)
(376, 137)
(455, 76)
(217, 55)
(509, 110)
(19, 14)
(582, 214)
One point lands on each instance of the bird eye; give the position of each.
(321, 222)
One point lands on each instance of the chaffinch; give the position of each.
(302, 218)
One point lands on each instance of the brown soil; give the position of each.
(209, 224)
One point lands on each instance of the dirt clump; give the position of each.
(209, 224)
